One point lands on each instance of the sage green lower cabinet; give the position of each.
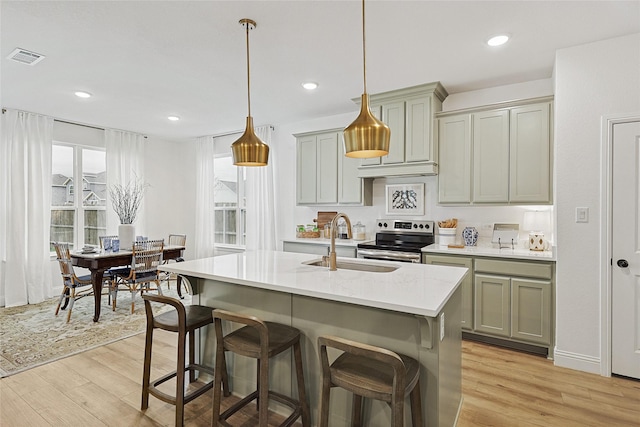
(531, 310)
(492, 301)
(466, 285)
(506, 301)
(318, 249)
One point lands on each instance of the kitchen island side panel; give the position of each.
(441, 378)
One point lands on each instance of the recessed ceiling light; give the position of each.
(81, 94)
(173, 118)
(498, 40)
(310, 85)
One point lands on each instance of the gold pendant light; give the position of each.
(249, 150)
(366, 136)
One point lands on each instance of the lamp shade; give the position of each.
(249, 150)
(537, 221)
(366, 136)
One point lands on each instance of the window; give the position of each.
(78, 217)
(229, 201)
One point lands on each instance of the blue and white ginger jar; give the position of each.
(470, 236)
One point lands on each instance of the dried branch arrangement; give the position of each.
(126, 200)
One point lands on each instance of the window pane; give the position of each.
(94, 194)
(219, 225)
(62, 220)
(95, 224)
(225, 186)
(230, 223)
(94, 178)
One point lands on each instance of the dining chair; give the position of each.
(145, 258)
(174, 240)
(74, 287)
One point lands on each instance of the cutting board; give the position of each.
(323, 218)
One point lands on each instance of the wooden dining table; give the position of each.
(100, 261)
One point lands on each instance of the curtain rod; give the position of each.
(77, 124)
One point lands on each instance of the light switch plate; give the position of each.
(582, 214)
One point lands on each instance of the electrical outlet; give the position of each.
(487, 226)
(441, 326)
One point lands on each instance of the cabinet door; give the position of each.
(349, 185)
(418, 147)
(375, 110)
(530, 153)
(393, 116)
(454, 151)
(531, 310)
(306, 170)
(492, 302)
(466, 285)
(491, 156)
(327, 164)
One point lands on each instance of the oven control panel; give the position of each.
(407, 225)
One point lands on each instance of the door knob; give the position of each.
(623, 263)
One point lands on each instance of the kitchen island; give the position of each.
(414, 309)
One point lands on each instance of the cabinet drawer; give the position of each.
(514, 268)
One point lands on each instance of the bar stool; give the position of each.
(372, 372)
(258, 340)
(183, 320)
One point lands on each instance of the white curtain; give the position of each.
(125, 164)
(261, 196)
(25, 193)
(205, 214)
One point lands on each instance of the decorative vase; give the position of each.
(470, 236)
(126, 235)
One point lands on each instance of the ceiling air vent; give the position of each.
(25, 57)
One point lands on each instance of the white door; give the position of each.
(625, 284)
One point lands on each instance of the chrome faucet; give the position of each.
(333, 231)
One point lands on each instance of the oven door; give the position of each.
(386, 255)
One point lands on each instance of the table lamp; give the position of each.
(537, 222)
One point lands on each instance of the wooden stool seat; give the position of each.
(183, 320)
(370, 372)
(259, 340)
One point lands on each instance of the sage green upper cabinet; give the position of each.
(324, 175)
(530, 155)
(409, 113)
(496, 155)
(455, 159)
(491, 156)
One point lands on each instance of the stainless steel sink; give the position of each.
(351, 265)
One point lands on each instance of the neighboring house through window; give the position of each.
(78, 217)
(229, 200)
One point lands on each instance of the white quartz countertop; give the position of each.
(322, 241)
(491, 251)
(413, 288)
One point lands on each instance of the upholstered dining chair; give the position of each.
(74, 287)
(145, 258)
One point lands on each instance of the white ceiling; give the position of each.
(145, 60)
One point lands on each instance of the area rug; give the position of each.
(31, 335)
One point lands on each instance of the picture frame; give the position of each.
(405, 199)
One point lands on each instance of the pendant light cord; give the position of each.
(246, 25)
(364, 53)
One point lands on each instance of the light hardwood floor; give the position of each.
(501, 387)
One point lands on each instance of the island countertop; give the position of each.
(418, 289)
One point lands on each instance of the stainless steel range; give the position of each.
(398, 240)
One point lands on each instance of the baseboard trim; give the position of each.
(579, 362)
